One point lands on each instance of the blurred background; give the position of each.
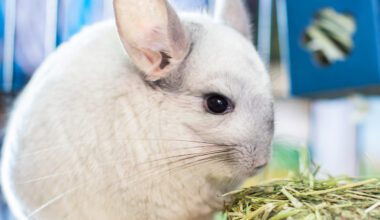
(323, 57)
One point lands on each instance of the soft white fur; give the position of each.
(90, 139)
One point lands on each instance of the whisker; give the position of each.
(162, 169)
(180, 157)
(62, 195)
(142, 176)
(206, 158)
(34, 153)
(53, 200)
(168, 170)
(38, 179)
(167, 163)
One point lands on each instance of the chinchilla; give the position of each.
(151, 116)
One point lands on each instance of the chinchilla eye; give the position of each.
(217, 104)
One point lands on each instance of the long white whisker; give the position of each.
(107, 164)
(51, 201)
(162, 169)
(35, 153)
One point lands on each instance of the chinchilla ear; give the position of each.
(234, 14)
(152, 35)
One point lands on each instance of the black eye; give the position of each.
(217, 104)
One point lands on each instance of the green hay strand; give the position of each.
(307, 198)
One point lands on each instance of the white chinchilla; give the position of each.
(151, 118)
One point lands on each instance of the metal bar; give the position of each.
(265, 30)
(9, 43)
(51, 26)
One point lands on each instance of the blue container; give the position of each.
(360, 71)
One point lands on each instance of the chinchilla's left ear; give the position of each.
(152, 35)
(234, 14)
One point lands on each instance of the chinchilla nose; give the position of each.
(261, 163)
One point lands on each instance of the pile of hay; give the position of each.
(306, 197)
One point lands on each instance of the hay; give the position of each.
(306, 197)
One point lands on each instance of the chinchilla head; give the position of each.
(214, 86)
